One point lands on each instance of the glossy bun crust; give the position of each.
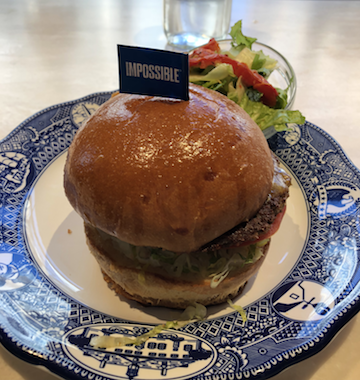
(168, 173)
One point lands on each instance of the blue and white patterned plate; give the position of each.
(53, 297)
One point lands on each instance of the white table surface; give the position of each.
(52, 51)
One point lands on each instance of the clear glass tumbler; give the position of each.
(191, 23)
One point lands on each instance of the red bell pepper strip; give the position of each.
(211, 45)
(208, 55)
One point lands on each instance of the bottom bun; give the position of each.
(154, 290)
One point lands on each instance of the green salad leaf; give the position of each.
(219, 79)
(262, 61)
(239, 40)
(218, 73)
(266, 117)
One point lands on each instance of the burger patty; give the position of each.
(260, 224)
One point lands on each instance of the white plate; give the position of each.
(53, 296)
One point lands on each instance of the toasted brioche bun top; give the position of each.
(168, 173)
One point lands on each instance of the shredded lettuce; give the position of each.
(106, 341)
(219, 277)
(199, 266)
(141, 277)
(236, 261)
(239, 309)
(212, 265)
(192, 313)
(262, 243)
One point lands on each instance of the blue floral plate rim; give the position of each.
(222, 346)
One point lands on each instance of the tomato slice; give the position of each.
(275, 226)
(208, 55)
(273, 229)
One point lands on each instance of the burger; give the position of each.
(179, 198)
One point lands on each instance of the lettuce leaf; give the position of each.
(263, 61)
(218, 79)
(246, 56)
(220, 72)
(239, 40)
(236, 92)
(266, 117)
(256, 60)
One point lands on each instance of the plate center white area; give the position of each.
(55, 237)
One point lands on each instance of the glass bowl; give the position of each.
(283, 75)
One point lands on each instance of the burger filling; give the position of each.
(197, 266)
(266, 222)
(229, 254)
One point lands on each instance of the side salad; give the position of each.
(241, 74)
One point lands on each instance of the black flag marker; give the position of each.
(153, 72)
